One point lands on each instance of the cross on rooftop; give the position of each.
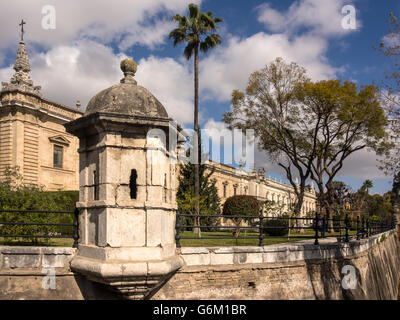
(22, 29)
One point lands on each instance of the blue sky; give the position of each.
(81, 56)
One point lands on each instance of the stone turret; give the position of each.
(21, 79)
(127, 189)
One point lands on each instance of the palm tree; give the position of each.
(367, 185)
(197, 30)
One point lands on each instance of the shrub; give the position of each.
(241, 205)
(276, 227)
(14, 195)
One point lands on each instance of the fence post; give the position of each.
(364, 227)
(346, 223)
(261, 237)
(76, 228)
(316, 228)
(358, 227)
(177, 233)
(326, 224)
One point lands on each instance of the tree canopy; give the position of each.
(390, 92)
(197, 30)
(269, 107)
(347, 119)
(309, 128)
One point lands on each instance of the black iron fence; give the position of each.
(263, 227)
(34, 224)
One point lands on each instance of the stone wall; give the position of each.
(288, 271)
(285, 271)
(25, 274)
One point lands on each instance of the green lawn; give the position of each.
(58, 242)
(229, 242)
(185, 242)
(294, 236)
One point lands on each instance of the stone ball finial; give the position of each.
(129, 68)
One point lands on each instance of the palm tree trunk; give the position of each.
(196, 129)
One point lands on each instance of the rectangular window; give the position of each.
(58, 157)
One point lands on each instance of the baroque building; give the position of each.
(232, 181)
(33, 137)
(32, 133)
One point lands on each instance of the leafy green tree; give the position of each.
(269, 107)
(389, 90)
(197, 30)
(239, 207)
(341, 196)
(395, 198)
(367, 185)
(379, 206)
(349, 120)
(273, 209)
(208, 200)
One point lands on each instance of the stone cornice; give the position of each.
(97, 122)
(42, 107)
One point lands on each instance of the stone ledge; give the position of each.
(35, 257)
(26, 272)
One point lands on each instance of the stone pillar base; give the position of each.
(133, 279)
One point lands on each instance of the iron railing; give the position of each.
(33, 231)
(344, 229)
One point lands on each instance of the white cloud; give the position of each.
(171, 83)
(229, 67)
(76, 72)
(362, 165)
(319, 17)
(6, 74)
(126, 21)
(79, 71)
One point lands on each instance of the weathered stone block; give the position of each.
(133, 159)
(108, 192)
(92, 225)
(247, 257)
(125, 227)
(155, 194)
(110, 165)
(55, 261)
(21, 258)
(155, 227)
(221, 258)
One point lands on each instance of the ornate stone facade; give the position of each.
(236, 181)
(32, 135)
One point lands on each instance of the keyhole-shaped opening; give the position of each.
(96, 185)
(133, 184)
